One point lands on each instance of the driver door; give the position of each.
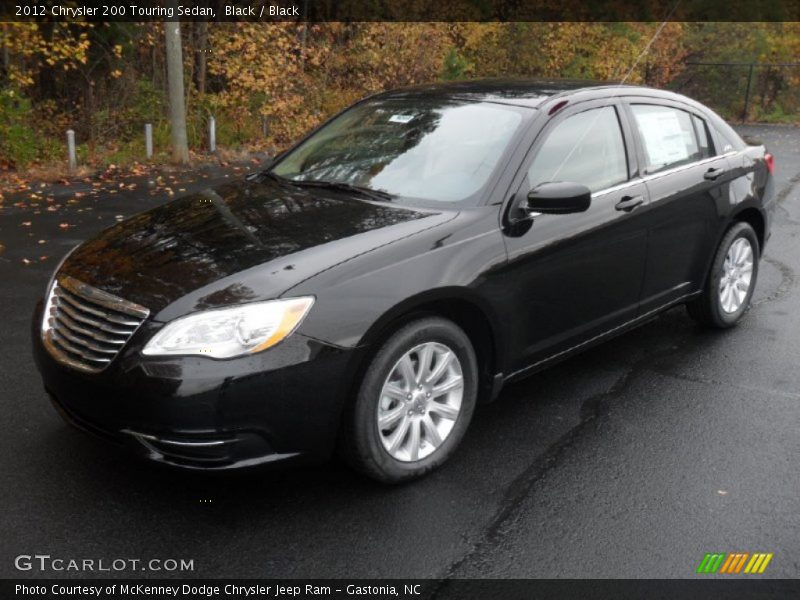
(576, 276)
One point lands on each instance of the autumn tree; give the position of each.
(266, 84)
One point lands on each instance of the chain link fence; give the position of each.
(768, 92)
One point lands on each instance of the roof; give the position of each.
(530, 92)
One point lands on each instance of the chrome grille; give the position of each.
(86, 328)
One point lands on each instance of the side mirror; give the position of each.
(558, 198)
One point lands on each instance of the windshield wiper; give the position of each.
(267, 173)
(342, 186)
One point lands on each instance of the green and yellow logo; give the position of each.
(734, 563)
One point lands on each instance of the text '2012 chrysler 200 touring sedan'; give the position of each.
(398, 265)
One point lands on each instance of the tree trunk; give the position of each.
(202, 50)
(177, 103)
(6, 56)
(47, 79)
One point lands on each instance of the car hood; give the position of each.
(240, 242)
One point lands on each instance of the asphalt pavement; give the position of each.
(633, 459)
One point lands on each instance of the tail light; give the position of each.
(770, 162)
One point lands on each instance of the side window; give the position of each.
(585, 148)
(727, 143)
(703, 139)
(729, 139)
(668, 136)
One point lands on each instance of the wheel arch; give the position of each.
(460, 305)
(749, 213)
(753, 217)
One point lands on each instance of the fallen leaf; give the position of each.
(26, 261)
(42, 241)
(26, 224)
(64, 225)
(722, 492)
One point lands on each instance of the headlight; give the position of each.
(229, 332)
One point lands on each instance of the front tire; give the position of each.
(414, 404)
(729, 288)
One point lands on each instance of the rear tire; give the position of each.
(731, 281)
(414, 403)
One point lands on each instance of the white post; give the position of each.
(73, 158)
(148, 140)
(212, 134)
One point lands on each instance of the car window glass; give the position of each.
(439, 149)
(729, 139)
(667, 135)
(703, 140)
(727, 143)
(585, 148)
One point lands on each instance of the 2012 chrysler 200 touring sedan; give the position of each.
(398, 265)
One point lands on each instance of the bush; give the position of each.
(20, 143)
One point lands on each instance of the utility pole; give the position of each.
(177, 102)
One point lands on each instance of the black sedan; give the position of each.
(398, 265)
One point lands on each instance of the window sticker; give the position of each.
(663, 137)
(400, 118)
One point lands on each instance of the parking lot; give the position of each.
(633, 459)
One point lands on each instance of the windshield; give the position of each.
(432, 149)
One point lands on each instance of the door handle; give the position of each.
(628, 203)
(712, 174)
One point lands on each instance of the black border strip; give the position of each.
(733, 587)
(266, 11)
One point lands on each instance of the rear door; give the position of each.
(573, 276)
(685, 179)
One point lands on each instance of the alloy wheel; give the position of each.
(420, 401)
(737, 273)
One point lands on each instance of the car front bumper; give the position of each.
(280, 406)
